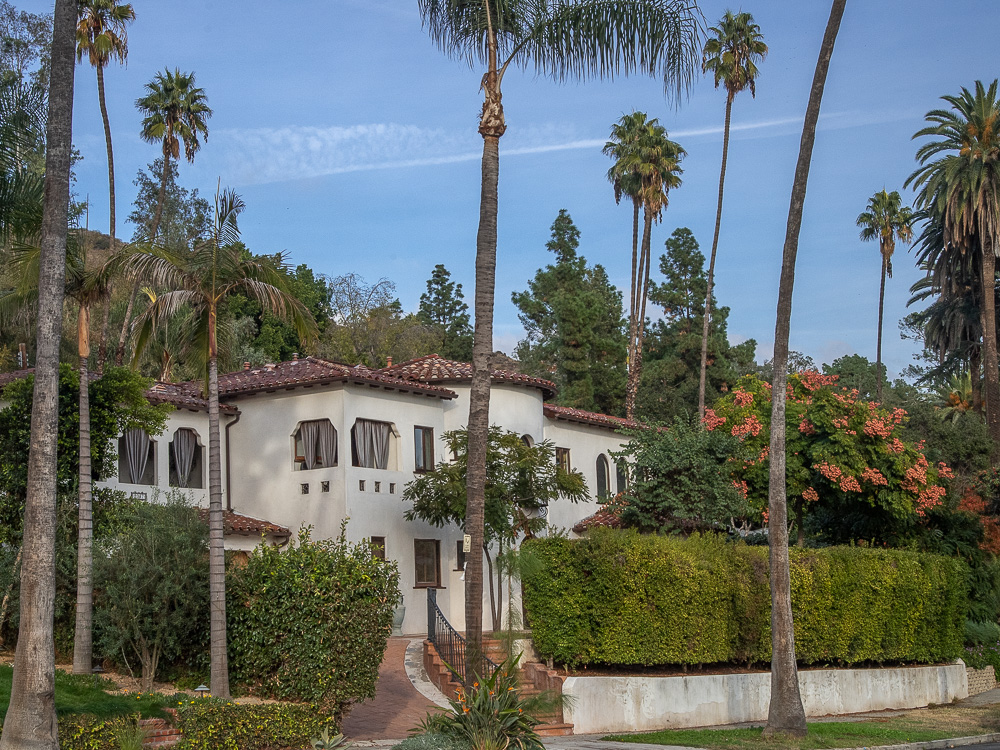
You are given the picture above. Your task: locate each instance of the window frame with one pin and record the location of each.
(461, 557)
(423, 447)
(197, 467)
(377, 546)
(417, 583)
(603, 488)
(563, 459)
(299, 459)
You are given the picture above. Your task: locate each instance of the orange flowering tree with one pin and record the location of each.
(842, 452)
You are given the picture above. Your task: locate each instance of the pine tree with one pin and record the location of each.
(575, 327)
(443, 308)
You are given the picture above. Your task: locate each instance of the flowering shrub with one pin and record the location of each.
(839, 450)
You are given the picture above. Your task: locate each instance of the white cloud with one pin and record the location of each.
(266, 155)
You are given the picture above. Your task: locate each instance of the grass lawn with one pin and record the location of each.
(85, 694)
(916, 726)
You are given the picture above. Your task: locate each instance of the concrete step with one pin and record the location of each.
(554, 730)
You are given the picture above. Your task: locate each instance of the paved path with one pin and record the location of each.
(397, 707)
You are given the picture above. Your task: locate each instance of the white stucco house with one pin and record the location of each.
(313, 442)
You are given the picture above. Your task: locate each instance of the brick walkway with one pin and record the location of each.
(397, 707)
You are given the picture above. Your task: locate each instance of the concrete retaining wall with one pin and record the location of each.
(981, 680)
(634, 703)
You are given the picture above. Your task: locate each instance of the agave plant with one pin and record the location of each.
(326, 742)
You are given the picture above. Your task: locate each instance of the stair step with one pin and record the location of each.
(554, 730)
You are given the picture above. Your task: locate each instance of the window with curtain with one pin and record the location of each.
(427, 562)
(603, 477)
(423, 446)
(186, 460)
(136, 458)
(621, 476)
(315, 445)
(370, 444)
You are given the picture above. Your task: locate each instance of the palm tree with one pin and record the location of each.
(654, 164)
(785, 713)
(958, 183)
(731, 55)
(102, 35)
(562, 39)
(31, 716)
(886, 220)
(200, 280)
(176, 111)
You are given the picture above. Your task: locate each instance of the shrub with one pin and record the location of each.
(311, 622)
(981, 633)
(620, 598)
(88, 732)
(215, 724)
(432, 741)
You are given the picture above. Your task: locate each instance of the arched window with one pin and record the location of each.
(603, 477)
(136, 458)
(370, 443)
(315, 445)
(186, 460)
(621, 476)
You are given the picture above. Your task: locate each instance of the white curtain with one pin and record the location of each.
(327, 443)
(371, 443)
(184, 446)
(309, 432)
(136, 453)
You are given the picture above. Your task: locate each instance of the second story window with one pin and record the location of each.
(315, 445)
(377, 545)
(370, 444)
(186, 460)
(136, 458)
(603, 477)
(562, 459)
(423, 446)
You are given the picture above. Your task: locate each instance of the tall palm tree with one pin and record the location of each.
(199, 281)
(654, 165)
(102, 35)
(731, 54)
(175, 112)
(886, 220)
(958, 182)
(785, 713)
(561, 39)
(30, 723)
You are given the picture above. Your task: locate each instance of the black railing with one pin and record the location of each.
(450, 644)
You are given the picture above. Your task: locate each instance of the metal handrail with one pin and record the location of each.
(450, 644)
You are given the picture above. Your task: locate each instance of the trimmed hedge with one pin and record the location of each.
(214, 724)
(621, 598)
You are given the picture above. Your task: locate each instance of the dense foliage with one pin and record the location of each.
(680, 478)
(621, 598)
(210, 724)
(310, 622)
(841, 453)
(152, 581)
(444, 310)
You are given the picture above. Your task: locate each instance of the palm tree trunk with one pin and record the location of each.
(878, 346)
(706, 323)
(30, 723)
(638, 324)
(989, 354)
(216, 539)
(977, 385)
(785, 712)
(102, 349)
(123, 338)
(83, 660)
(632, 307)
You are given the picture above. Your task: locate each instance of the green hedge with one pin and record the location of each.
(212, 724)
(621, 598)
(310, 623)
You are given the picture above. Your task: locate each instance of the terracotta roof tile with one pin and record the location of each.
(607, 516)
(240, 525)
(315, 371)
(586, 417)
(433, 368)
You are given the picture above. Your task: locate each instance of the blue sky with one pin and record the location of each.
(353, 141)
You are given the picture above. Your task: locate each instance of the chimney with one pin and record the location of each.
(295, 356)
(246, 365)
(389, 363)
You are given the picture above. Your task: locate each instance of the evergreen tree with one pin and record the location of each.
(443, 308)
(186, 215)
(669, 386)
(575, 327)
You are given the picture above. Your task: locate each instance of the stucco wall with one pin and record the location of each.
(619, 704)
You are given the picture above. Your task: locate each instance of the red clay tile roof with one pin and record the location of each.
(240, 525)
(433, 368)
(586, 417)
(315, 371)
(182, 395)
(606, 516)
